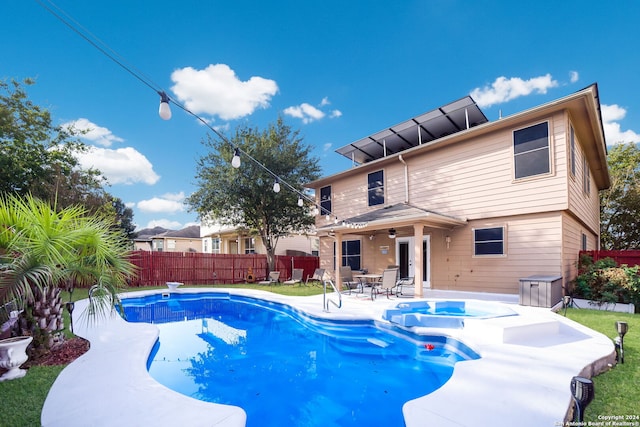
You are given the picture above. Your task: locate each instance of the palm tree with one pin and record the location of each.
(43, 251)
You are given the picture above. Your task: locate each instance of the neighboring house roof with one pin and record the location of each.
(446, 120)
(192, 232)
(396, 215)
(147, 233)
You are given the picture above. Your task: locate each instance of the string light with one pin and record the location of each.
(235, 162)
(164, 109)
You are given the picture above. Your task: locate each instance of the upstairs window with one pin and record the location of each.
(572, 152)
(488, 241)
(375, 188)
(531, 151)
(325, 200)
(586, 177)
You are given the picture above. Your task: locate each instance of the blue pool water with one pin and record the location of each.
(285, 368)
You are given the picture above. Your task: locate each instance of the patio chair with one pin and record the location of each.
(405, 281)
(347, 278)
(274, 277)
(388, 282)
(296, 277)
(318, 275)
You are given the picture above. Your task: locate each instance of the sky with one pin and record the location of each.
(336, 71)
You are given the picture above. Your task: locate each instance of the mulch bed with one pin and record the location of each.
(64, 353)
(61, 354)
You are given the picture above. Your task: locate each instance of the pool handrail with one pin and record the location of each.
(325, 301)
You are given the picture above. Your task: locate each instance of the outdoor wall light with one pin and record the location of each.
(235, 162)
(583, 392)
(70, 306)
(276, 186)
(392, 233)
(622, 328)
(164, 110)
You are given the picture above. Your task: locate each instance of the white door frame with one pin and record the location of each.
(412, 257)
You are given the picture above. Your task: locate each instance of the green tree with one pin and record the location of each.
(620, 204)
(43, 251)
(244, 197)
(39, 158)
(124, 218)
(33, 152)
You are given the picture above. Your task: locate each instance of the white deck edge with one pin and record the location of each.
(523, 382)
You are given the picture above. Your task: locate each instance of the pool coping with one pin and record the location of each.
(522, 378)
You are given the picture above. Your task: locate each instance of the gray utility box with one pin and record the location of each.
(541, 291)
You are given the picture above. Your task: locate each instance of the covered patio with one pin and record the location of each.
(401, 234)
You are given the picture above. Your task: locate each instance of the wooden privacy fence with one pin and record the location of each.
(629, 257)
(190, 268)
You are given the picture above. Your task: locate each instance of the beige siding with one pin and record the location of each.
(572, 231)
(532, 247)
(584, 206)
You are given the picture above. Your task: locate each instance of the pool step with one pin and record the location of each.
(513, 329)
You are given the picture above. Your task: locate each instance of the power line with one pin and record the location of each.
(103, 48)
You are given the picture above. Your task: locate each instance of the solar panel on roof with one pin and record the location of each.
(446, 120)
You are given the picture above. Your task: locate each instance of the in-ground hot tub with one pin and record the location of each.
(443, 314)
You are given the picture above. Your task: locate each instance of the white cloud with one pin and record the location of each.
(164, 223)
(92, 132)
(122, 166)
(308, 113)
(217, 91)
(327, 146)
(611, 114)
(503, 89)
(167, 203)
(176, 197)
(574, 76)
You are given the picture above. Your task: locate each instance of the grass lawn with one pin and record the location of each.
(617, 391)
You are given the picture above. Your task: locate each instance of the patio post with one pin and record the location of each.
(418, 232)
(338, 261)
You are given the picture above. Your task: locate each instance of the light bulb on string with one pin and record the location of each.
(276, 186)
(235, 162)
(300, 202)
(164, 111)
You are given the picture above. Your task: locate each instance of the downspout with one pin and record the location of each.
(406, 179)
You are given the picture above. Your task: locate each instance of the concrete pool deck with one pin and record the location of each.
(522, 377)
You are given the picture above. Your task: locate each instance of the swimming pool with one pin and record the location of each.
(284, 367)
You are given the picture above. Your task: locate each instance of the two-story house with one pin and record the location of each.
(461, 203)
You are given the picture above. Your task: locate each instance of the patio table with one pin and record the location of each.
(367, 279)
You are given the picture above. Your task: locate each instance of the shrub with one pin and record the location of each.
(604, 281)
